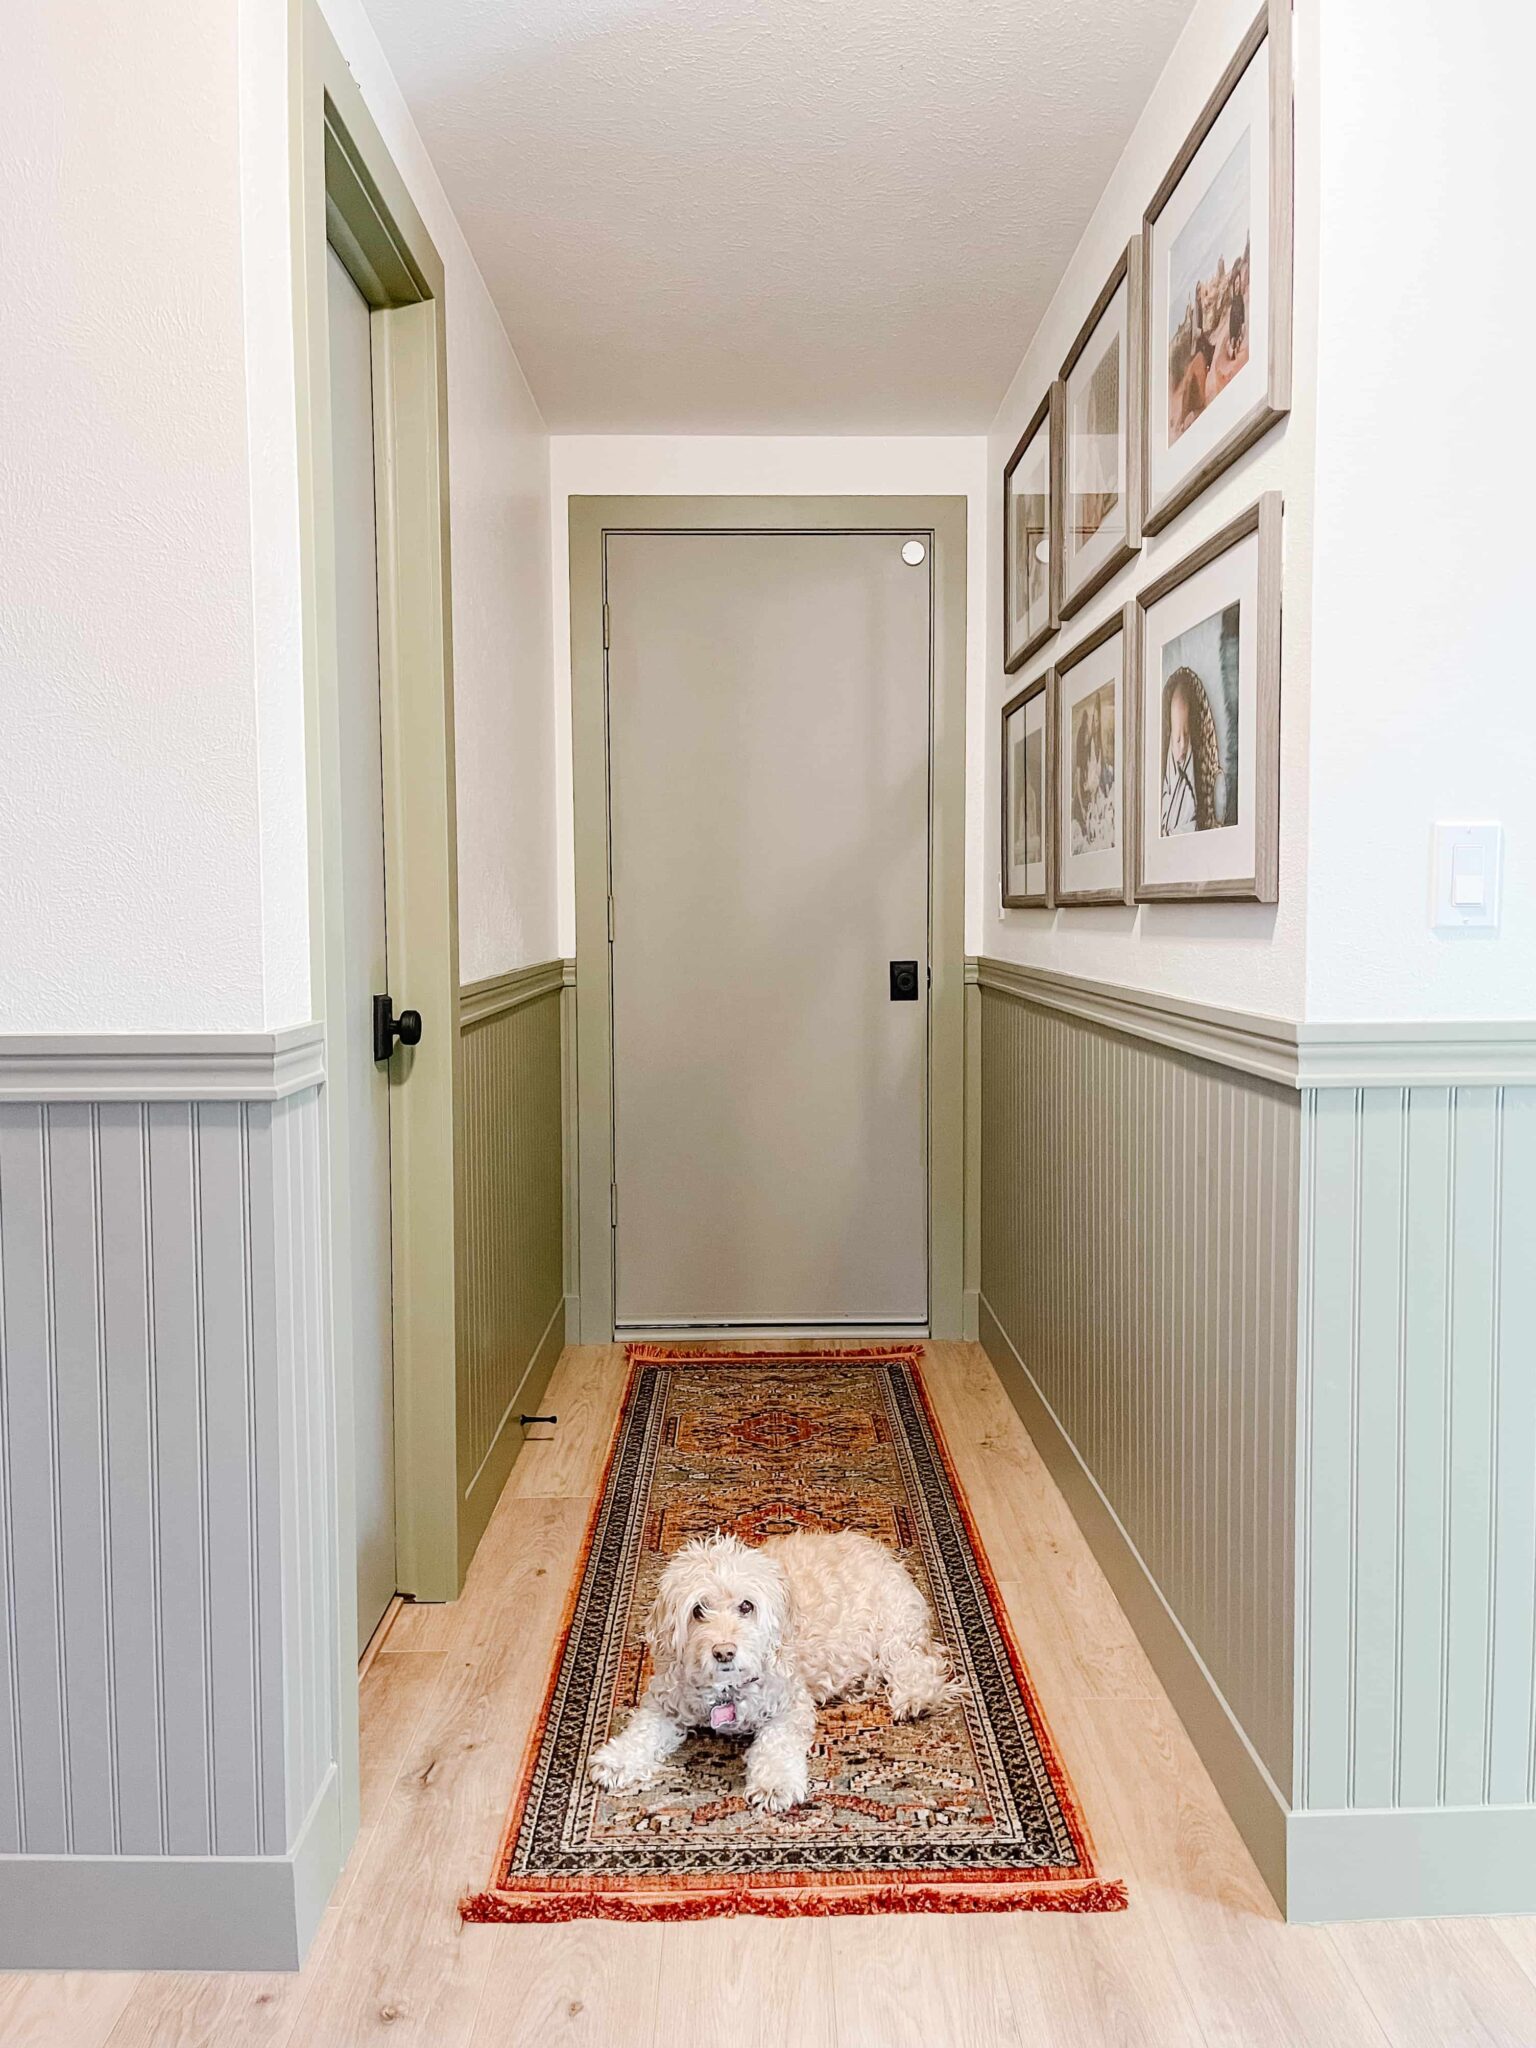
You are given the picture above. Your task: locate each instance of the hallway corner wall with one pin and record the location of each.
(171, 1735)
(1251, 955)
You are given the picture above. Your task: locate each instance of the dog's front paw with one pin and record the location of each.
(615, 1771)
(776, 1792)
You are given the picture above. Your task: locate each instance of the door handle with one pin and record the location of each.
(904, 981)
(387, 1027)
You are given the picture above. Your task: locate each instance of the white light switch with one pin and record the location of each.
(1466, 877)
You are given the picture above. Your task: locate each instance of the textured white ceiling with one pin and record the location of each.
(774, 216)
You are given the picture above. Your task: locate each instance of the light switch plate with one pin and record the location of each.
(1466, 880)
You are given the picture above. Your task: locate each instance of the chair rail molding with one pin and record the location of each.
(1391, 1053)
(152, 1066)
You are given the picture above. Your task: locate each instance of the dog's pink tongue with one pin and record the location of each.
(723, 1714)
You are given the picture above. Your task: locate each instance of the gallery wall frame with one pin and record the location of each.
(1169, 482)
(1035, 704)
(1067, 891)
(1256, 578)
(1129, 276)
(1047, 418)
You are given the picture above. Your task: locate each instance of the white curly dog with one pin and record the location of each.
(753, 1641)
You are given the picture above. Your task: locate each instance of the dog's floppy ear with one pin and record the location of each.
(666, 1626)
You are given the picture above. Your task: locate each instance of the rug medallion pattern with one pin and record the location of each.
(963, 1810)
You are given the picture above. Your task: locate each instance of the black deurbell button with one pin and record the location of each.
(903, 981)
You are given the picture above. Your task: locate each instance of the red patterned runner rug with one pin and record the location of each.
(967, 1810)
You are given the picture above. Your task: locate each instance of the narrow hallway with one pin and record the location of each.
(1201, 1956)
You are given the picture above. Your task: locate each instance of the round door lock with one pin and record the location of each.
(913, 552)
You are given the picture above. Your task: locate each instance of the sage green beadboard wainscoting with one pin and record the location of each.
(1416, 1622)
(511, 1265)
(171, 1733)
(1264, 1292)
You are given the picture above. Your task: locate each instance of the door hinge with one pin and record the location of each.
(613, 1205)
(610, 920)
(605, 625)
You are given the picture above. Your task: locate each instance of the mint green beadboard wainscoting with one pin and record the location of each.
(1265, 1294)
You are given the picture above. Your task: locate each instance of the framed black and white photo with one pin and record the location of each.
(1217, 239)
(1026, 789)
(1207, 670)
(1031, 534)
(1102, 383)
(1093, 722)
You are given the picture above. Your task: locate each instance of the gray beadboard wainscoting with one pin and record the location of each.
(169, 1788)
(1265, 1294)
(511, 1267)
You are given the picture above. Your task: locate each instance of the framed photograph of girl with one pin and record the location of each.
(1032, 534)
(1026, 792)
(1217, 239)
(1101, 411)
(1095, 781)
(1207, 687)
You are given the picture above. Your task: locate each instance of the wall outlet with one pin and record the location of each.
(1467, 865)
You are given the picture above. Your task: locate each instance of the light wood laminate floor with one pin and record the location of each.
(1201, 1956)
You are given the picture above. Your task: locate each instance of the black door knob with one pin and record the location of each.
(387, 1027)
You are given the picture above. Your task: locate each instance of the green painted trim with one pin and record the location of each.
(1411, 1863)
(945, 519)
(329, 125)
(1391, 1053)
(172, 1912)
(972, 1295)
(485, 1487)
(1248, 1792)
(479, 1001)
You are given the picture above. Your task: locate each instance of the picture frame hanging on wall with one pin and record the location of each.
(1025, 777)
(1032, 534)
(1217, 249)
(1206, 668)
(1093, 734)
(1101, 382)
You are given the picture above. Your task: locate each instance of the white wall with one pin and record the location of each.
(130, 889)
(1245, 955)
(600, 465)
(1424, 697)
(153, 841)
(498, 458)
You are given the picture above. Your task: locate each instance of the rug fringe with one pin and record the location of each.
(1098, 1895)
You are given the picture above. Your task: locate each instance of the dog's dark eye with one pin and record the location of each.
(698, 1610)
(745, 1607)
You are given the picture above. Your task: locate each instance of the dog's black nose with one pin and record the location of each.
(724, 1653)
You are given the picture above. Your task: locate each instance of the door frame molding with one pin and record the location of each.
(346, 192)
(943, 520)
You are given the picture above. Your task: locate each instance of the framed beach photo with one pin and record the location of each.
(1031, 534)
(1026, 789)
(1101, 410)
(1093, 719)
(1217, 246)
(1207, 670)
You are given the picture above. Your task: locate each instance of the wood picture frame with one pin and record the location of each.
(1210, 784)
(1254, 396)
(1078, 874)
(1034, 706)
(1104, 555)
(1022, 639)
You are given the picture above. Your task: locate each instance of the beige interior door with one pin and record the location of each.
(366, 955)
(769, 762)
